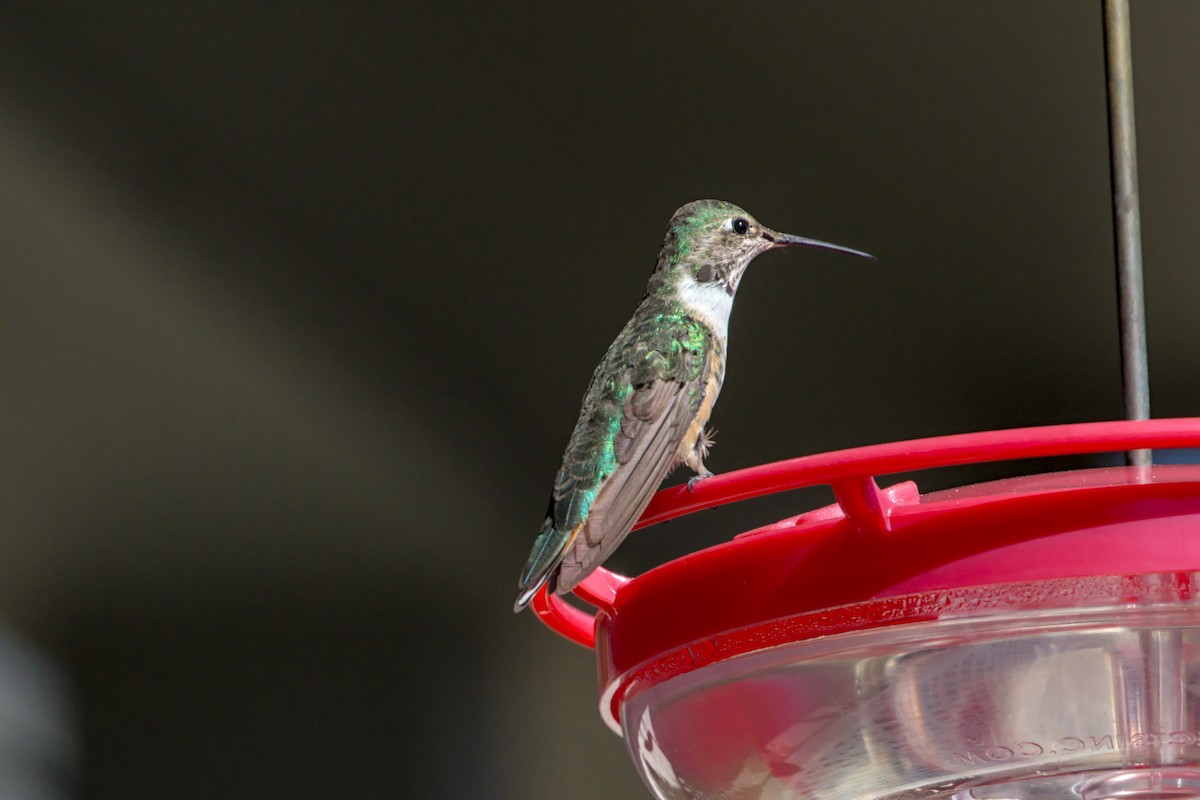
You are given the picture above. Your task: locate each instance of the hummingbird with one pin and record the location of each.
(647, 406)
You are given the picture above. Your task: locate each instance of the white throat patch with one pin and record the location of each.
(707, 302)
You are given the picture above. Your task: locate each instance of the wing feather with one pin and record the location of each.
(599, 494)
(655, 418)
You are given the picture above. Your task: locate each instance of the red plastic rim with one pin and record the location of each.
(877, 543)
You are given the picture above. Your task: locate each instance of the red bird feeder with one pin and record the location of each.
(1035, 637)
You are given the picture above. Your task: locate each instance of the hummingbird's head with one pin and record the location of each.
(710, 243)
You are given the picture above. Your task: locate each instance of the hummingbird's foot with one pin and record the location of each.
(704, 474)
(695, 459)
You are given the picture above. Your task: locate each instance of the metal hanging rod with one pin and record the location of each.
(1127, 220)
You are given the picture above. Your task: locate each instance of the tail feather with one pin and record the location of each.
(548, 550)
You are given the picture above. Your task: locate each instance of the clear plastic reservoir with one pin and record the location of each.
(1082, 689)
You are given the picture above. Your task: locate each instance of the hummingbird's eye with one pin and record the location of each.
(740, 226)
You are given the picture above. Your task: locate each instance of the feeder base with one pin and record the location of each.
(1080, 690)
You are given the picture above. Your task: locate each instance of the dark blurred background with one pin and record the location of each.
(297, 304)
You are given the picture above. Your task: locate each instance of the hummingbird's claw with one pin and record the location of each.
(691, 484)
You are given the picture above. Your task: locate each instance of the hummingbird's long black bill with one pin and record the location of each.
(799, 241)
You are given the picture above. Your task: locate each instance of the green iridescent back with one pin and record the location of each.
(660, 342)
